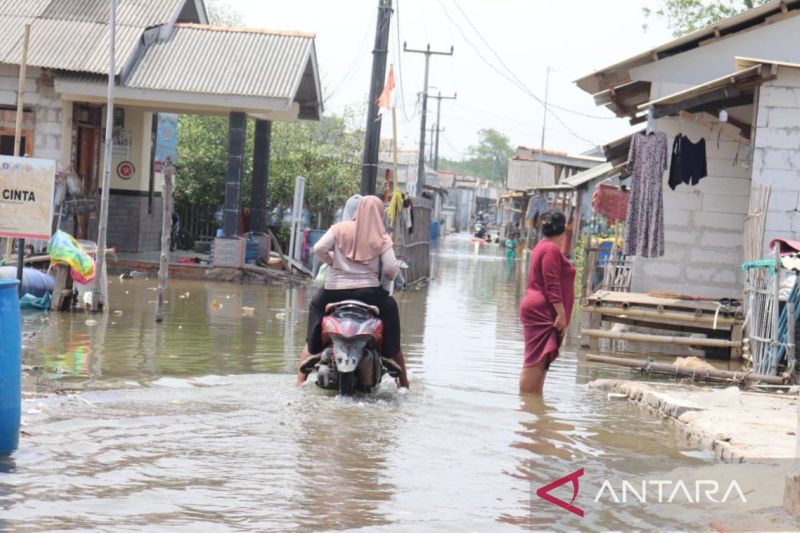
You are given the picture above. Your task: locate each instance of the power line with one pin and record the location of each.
(351, 70)
(511, 72)
(399, 55)
(520, 86)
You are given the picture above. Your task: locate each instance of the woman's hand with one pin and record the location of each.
(561, 322)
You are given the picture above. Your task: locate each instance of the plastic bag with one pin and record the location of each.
(65, 250)
(322, 276)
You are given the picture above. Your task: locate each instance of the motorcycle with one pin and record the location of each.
(351, 361)
(480, 230)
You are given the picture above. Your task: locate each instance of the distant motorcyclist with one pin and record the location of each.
(357, 252)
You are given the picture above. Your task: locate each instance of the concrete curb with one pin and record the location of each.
(759, 426)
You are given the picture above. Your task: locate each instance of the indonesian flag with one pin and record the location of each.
(386, 99)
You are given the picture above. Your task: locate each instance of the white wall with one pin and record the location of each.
(776, 159)
(776, 41)
(702, 223)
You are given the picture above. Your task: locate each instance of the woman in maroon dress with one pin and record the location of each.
(547, 306)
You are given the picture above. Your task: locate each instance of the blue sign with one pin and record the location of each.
(167, 138)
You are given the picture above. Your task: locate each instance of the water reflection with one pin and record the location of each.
(202, 427)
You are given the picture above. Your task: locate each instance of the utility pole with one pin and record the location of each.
(369, 168)
(432, 130)
(439, 99)
(100, 285)
(546, 93)
(422, 127)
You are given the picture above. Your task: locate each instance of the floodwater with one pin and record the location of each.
(196, 424)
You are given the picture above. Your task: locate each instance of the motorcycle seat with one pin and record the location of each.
(330, 308)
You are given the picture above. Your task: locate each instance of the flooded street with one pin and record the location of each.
(196, 424)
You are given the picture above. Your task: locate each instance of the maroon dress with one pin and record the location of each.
(551, 280)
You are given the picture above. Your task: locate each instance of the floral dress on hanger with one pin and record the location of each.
(644, 226)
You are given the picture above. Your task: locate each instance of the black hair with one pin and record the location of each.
(554, 223)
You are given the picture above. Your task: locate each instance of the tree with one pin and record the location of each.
(488, 159)
(326, 153)
(686, 16)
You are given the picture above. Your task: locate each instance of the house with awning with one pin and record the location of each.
(736, 85)
(168, 59)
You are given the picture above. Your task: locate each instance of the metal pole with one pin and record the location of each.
(421, 159)
(546, 94)
(422, 123)
(99, 287)
(372, 141)
(23, 72)
(439, 129)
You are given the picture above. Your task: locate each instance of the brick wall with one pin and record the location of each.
(131, 227)
(776, 160)
(702, 224)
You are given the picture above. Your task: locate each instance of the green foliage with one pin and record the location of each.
(487, 160)
(686, 16)
(326, 153)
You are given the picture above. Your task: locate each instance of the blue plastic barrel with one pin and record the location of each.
(10, 365)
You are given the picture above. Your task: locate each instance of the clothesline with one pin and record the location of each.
(711, 125)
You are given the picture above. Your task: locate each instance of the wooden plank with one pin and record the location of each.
(661, 315)
(675, 370)
(659, 339)
(639, 298)
(666, 326)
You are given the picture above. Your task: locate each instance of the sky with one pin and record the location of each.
(502, 51)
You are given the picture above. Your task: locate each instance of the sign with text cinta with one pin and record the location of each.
(26, 197)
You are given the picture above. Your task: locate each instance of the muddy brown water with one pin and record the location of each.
(196, 424)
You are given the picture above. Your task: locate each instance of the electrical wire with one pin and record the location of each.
(399, 55)
(351, 70)
(514, 82)
(519, 81)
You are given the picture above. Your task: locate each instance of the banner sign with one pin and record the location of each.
(26, 197)
(166, 140)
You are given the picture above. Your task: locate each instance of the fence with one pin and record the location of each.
(197, 220)
(415, 247)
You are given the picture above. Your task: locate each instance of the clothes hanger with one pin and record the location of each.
(651, 122)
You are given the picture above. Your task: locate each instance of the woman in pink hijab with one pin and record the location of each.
(358, 252)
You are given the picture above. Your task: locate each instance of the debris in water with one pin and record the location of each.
(280, 316)
(91, 322)
(617, 396)
(152, 288)
(180, 327)
(118, 312)
(227, 296)
(216, 305)
(248, 311)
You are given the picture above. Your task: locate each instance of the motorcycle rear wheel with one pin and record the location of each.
(347, 383)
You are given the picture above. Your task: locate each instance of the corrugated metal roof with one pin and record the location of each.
(140, 13)
(581, 178)
(526, 174)
(73, 34)
(84, 50)
(23, 8)
(206, 59)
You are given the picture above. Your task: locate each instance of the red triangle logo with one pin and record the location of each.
(544, 492)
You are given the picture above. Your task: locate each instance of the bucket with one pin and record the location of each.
(10, 365)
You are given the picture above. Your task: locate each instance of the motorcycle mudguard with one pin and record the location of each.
(347, 353)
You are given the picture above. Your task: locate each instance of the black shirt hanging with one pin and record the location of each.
(688, 162)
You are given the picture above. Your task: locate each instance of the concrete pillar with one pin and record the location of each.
(237, 131)
(258, 191)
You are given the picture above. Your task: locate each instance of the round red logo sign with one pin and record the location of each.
(125, 170)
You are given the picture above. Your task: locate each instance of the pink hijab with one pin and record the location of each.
(363, 238)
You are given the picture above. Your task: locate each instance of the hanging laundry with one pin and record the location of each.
(537, 204)
(644, 224)
(688, 162)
